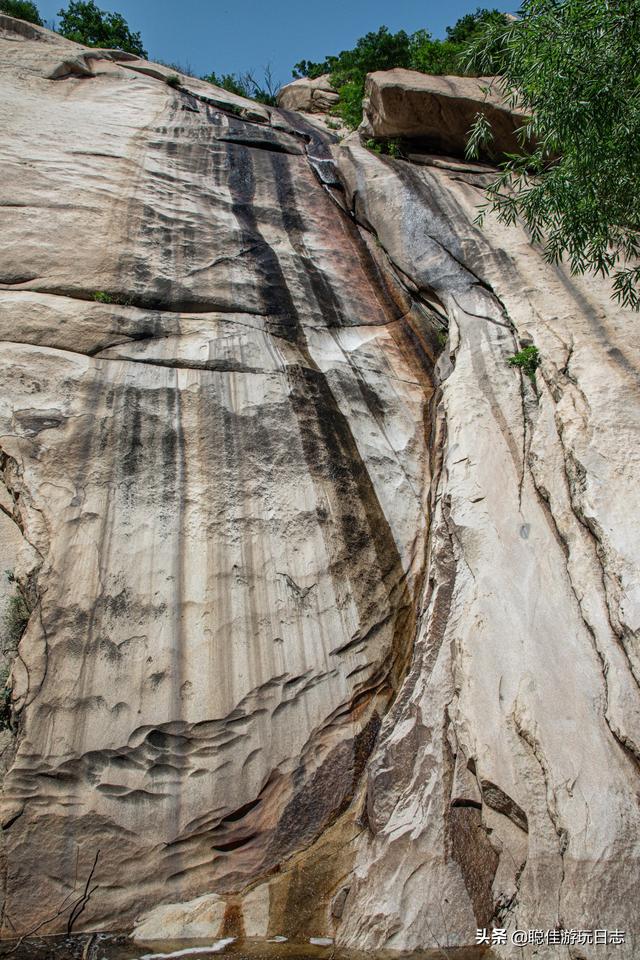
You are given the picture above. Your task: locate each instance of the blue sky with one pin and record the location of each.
(228, 36)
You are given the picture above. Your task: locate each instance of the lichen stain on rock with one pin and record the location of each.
(471, 848)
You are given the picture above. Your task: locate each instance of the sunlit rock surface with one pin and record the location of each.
(333, 625)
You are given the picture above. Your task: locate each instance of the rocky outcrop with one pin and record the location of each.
(308, 95)
(333, 613)
(437, 112)
(214, 409)
(502, 783)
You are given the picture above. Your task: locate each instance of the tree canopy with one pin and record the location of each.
(383, 50)
(85, 23)
(572, 66)
(22, 9)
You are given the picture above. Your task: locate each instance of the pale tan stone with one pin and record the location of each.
(200, 919)
(214, 414)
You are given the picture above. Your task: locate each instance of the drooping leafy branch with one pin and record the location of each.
(572, 67)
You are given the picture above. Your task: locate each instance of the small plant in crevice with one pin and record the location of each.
(392, 147)
(15, 620)
(173, 80)
(441, 337)
(386, 146)
(528, 359)
(118, 299)
(233, 109)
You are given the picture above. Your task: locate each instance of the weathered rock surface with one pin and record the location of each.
(438, 112)
(328, 638)
(504, 781)
(307, 95)
(222, 472)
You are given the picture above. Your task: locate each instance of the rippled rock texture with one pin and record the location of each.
(331, 624)
(214, 430)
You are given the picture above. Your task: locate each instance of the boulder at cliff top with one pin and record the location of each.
(308, 96)
(437, 112)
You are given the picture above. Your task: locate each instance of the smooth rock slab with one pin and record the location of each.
(504, 780)
(212, 413)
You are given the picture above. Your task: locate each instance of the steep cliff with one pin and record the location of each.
(333, 627)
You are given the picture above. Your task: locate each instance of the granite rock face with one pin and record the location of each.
(503, 786)
(333, 629)
(214, 437)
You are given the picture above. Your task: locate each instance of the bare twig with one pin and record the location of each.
(84, 899)
(64, 906)
(43, 923)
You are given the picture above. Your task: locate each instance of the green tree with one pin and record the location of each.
(434, 56)
(448, 56)
(85, 23)
(470, 26)
(22, 9)
(379, 50)
(572, 66)
(308, 68)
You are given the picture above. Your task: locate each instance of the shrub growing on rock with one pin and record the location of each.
(15, 618)
(528, 359)
(247, 85)
(5, 699)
